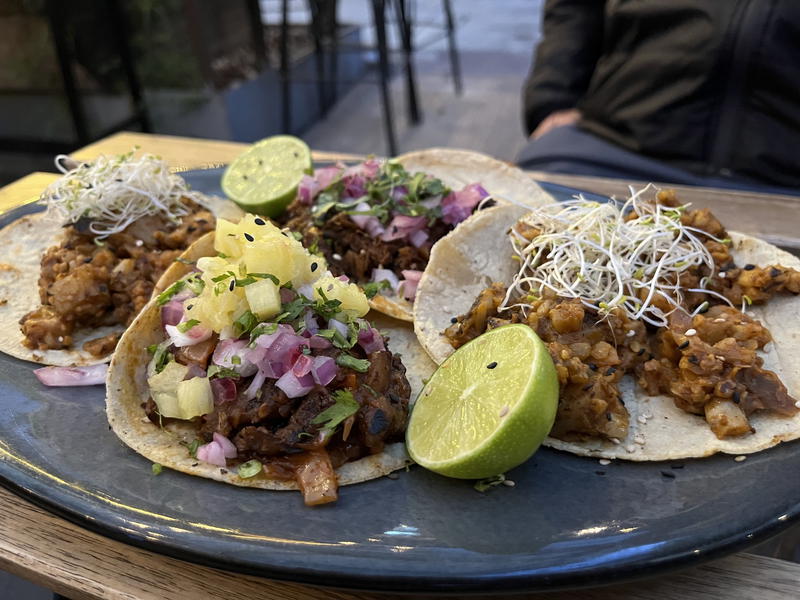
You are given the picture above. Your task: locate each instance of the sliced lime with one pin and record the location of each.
(487, 407)
(264, 179)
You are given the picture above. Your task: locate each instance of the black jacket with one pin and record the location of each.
(712, 86)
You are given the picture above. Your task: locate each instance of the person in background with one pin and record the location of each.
(698, 92)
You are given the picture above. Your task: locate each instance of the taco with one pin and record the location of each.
(377, 221)
(259, 369)
(669, 334)
(73, 276)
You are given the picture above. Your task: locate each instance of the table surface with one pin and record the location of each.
(55, 553)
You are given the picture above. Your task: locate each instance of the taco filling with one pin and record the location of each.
(126, 220)
(376, 223)
(646, 288)
(269, 355)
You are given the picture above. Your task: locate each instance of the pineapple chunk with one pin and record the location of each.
(264, 298)
(195, 397)
(270, 255)
(164, 388)
(352, 298)
(226, 238)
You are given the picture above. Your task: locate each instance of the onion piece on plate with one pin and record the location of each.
(72, 376)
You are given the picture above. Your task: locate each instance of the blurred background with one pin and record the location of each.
(245, 69)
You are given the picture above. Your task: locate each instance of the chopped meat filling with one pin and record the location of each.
(85, 282)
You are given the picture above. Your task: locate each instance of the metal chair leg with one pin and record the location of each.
(379, 14)
(455, 65)
(317, 32)
(405, 26)
(286, 115)
(121, 33)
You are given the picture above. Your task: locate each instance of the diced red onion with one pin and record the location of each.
(323, 370)
(361, 220)
(195, 370)
(172, 312)
(311, 323)
(294, 386)
(308, 189)
(355, 186)
(267, 339)
(327, 175)
(386, 275)
(338, 326)
(72, 376)
(457, 206)
(227, 349)
(370, 340)
(228, 449)
(307, 291)
(318, 343)
(344, 278)
(367, 169)
(410, 283)
(224, 390)
(287, 295)
(401, 226)
(302, 366)
(432, 202)
(195, 335)
(399, 193)
(255, 385)
(184, 294)
(418, 238)
(212, 453)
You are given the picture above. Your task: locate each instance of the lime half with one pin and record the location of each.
(264, 179)
(487, 407)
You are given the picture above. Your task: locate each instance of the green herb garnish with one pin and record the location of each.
(221, 372)
(187, 325)
(346, 406)
(161, 354)
(156, 468)
(485, 485)
(371, 289)
(245, 323)
(193, 446)
(357, 364)
(168, 293)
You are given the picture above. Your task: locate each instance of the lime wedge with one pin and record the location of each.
(487, 407)
(264, 179)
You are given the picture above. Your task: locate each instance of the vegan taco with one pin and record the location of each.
(670, 335)
(377, 221)
(258, 368)
(72, 277)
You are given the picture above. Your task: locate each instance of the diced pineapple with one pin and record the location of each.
(164, 388)
(264, 298)
(270, 255)
(308, 267)
(352, 298)
(226, 238)
(195, 397)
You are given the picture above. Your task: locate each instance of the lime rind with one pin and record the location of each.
(506, 416)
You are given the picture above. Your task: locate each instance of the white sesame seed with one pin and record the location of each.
(718, 357)
(642, 419)
(740, 458)
(508, 483)
(723, 274)
(503, 411)
(630, 448)
(604, 461)
(337, 256)
(631, 333)
(61, 338)
(647, 416)
(797, 404)
(614, 441)
(719, 320)
(690, 332)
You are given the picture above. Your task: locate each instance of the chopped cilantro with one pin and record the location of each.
(156, 468)
(371, 289)
(221, 372)
(195, 284)
(245, 323)
(236, 359)
(168, 293)
(486, 484)
(192, 447)
(161, 355)
(346, 405)
(263, 329)
(249, 469)
(187, 325)
(357, 364)
(223, 277)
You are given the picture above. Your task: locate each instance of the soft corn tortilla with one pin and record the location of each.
(22, 244)
(127, 390)
(469, 259)
(457, 168)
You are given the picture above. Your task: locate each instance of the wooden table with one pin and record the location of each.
(55, 553)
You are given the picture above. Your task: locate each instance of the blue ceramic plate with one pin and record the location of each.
(569, 521)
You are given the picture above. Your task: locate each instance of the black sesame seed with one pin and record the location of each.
(260, 221)
(683, 345)
(189, 307)
(749, 267)
(601, 473)
(773, 272)
(668, 475)
(249, 237)
(640, 352)
(232, 284)
(610, 371)
(314, 267)
(491, 365)
(736, 397)
(454, 320)
(489, 204)
(223, 471)
(195, 464)
(609, 417)
(678, 466)
(593, 366)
